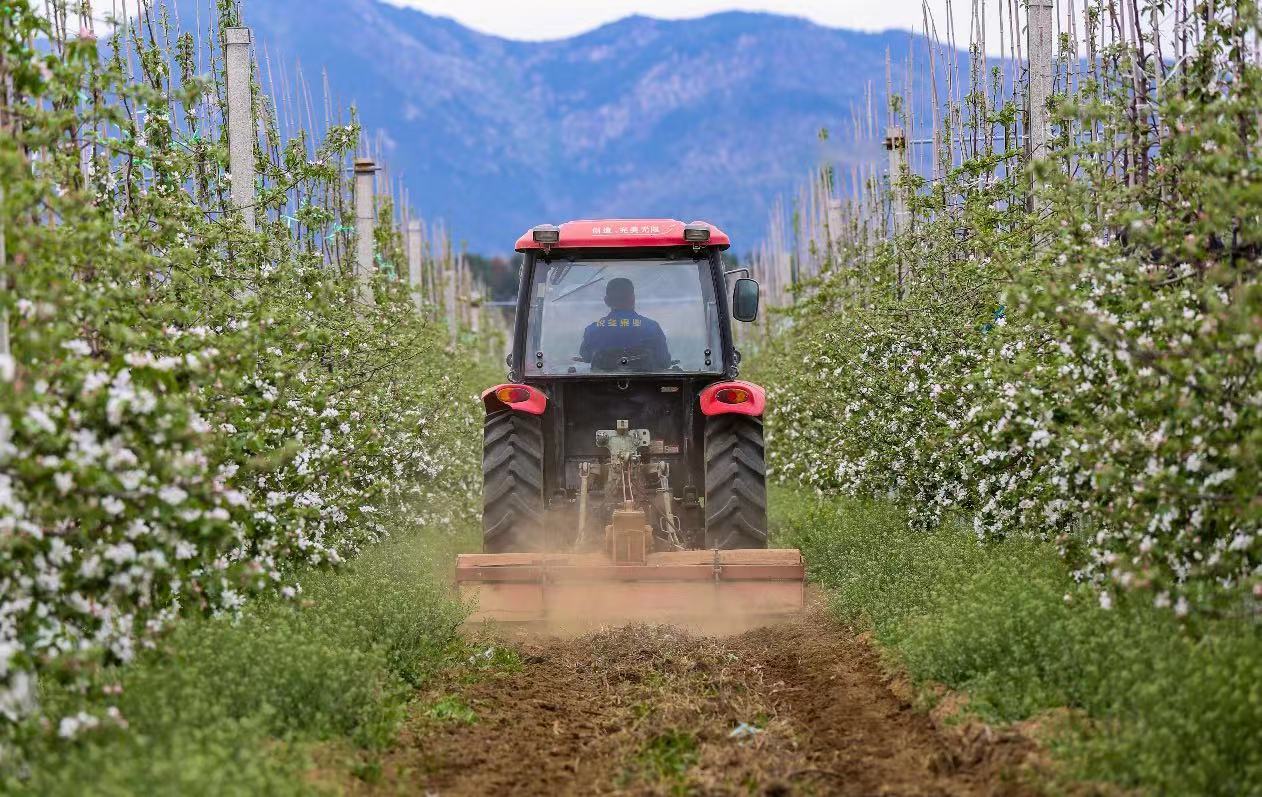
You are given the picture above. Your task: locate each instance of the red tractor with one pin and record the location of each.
(624, 447)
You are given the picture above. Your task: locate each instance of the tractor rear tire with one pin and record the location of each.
(735, 483)
(512, 483)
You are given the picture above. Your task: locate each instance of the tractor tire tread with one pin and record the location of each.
(512, 482)
(735, 483)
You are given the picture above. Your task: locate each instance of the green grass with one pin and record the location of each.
(450, 708)
(225, 707)
(664, 760)
(1166, 707)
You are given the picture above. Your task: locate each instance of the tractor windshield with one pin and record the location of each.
(623, 316)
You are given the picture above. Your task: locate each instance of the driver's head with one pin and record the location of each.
(620, 294)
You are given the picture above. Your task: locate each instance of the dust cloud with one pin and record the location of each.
(572, 608)
(587, 609)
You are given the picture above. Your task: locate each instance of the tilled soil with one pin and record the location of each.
(796, 708)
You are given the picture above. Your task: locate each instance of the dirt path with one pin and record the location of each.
(798, 708)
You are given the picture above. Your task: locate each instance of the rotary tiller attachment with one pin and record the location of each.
(708, 588)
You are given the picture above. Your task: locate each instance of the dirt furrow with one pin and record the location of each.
(795, 708)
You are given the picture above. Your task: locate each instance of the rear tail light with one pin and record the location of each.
(512, 395)
(732, 395)
(733, 398)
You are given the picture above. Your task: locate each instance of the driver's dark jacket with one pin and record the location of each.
(625, 329)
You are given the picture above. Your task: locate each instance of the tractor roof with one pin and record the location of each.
(622, 233)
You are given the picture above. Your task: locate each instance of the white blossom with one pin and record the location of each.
(172, 495)
(77, 346)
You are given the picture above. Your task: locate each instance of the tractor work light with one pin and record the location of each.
(512, 395)
(697, 233)
(547, 234)
(732, 395)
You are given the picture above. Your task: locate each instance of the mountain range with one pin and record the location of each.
(707, 118)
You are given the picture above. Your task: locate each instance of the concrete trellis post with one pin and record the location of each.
(241, 124)
(463, 290)
(835, 237)
(415, 244)
(1039, 33)
(453, 317)
(896, 145)
(365, 228)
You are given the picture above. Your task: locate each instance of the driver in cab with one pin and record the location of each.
(622, 330)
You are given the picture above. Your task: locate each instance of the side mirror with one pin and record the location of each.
(745, 300)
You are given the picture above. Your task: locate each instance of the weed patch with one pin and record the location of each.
(235, 707)
(666, 757)
(450, 708)
(1167, 705)
(486, 658)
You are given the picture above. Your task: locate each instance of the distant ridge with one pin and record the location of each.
(701, 118)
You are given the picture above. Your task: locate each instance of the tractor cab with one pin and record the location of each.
(595, 314)
(592, 289)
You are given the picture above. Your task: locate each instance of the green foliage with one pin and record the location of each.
(225, 759)
(1162, 705)
(1080, 364)
(231, 707)
(194, 411)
